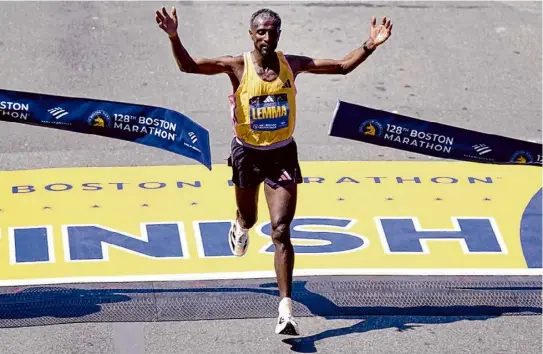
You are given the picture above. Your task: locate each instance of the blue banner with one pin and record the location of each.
(355, 122)
(147, 125)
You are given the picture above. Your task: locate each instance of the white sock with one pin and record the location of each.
(239, 228)
(285, 306)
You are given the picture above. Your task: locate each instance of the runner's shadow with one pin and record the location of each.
(58, 302)
(371, 323)
(378, 318)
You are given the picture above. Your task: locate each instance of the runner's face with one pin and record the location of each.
(265, 35)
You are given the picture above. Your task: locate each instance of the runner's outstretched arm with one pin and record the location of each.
(184, 61)
(378, 35)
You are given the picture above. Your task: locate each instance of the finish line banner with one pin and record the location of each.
(147, 125)
(355, 122)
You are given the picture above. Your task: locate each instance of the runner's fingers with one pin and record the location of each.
(165, 13)
(159, 16)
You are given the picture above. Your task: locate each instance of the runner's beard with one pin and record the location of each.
(267, 50)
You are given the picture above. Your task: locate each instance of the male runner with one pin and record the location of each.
(263, 108)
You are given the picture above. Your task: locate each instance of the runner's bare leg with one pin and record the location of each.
(282, 207)
(247, 206)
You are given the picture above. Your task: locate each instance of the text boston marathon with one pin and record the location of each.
(424, 140)
(14, 110)
(146, 125)
(149, 185)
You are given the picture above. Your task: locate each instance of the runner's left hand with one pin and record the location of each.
(380, 33)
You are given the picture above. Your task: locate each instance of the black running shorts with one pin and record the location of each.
(276, 167)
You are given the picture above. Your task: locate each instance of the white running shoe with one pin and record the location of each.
(238, 239)
(286, 324)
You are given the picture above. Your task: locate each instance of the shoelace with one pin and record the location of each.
(288, 318)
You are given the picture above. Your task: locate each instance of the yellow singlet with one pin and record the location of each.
(264, 113)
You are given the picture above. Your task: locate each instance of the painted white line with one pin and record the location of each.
(271, 274)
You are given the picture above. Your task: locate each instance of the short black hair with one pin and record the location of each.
(267, 13)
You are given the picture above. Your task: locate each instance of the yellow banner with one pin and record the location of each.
(171, 222)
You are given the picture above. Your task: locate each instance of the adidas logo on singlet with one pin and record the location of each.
(287, 84)
(269, 99)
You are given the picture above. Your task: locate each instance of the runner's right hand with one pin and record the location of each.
(167, 23)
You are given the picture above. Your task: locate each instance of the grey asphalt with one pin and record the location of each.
(473, 64)
(385, 335)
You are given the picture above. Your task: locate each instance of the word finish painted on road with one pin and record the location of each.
(487, 222)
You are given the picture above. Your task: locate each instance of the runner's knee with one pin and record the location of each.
(281, 231)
